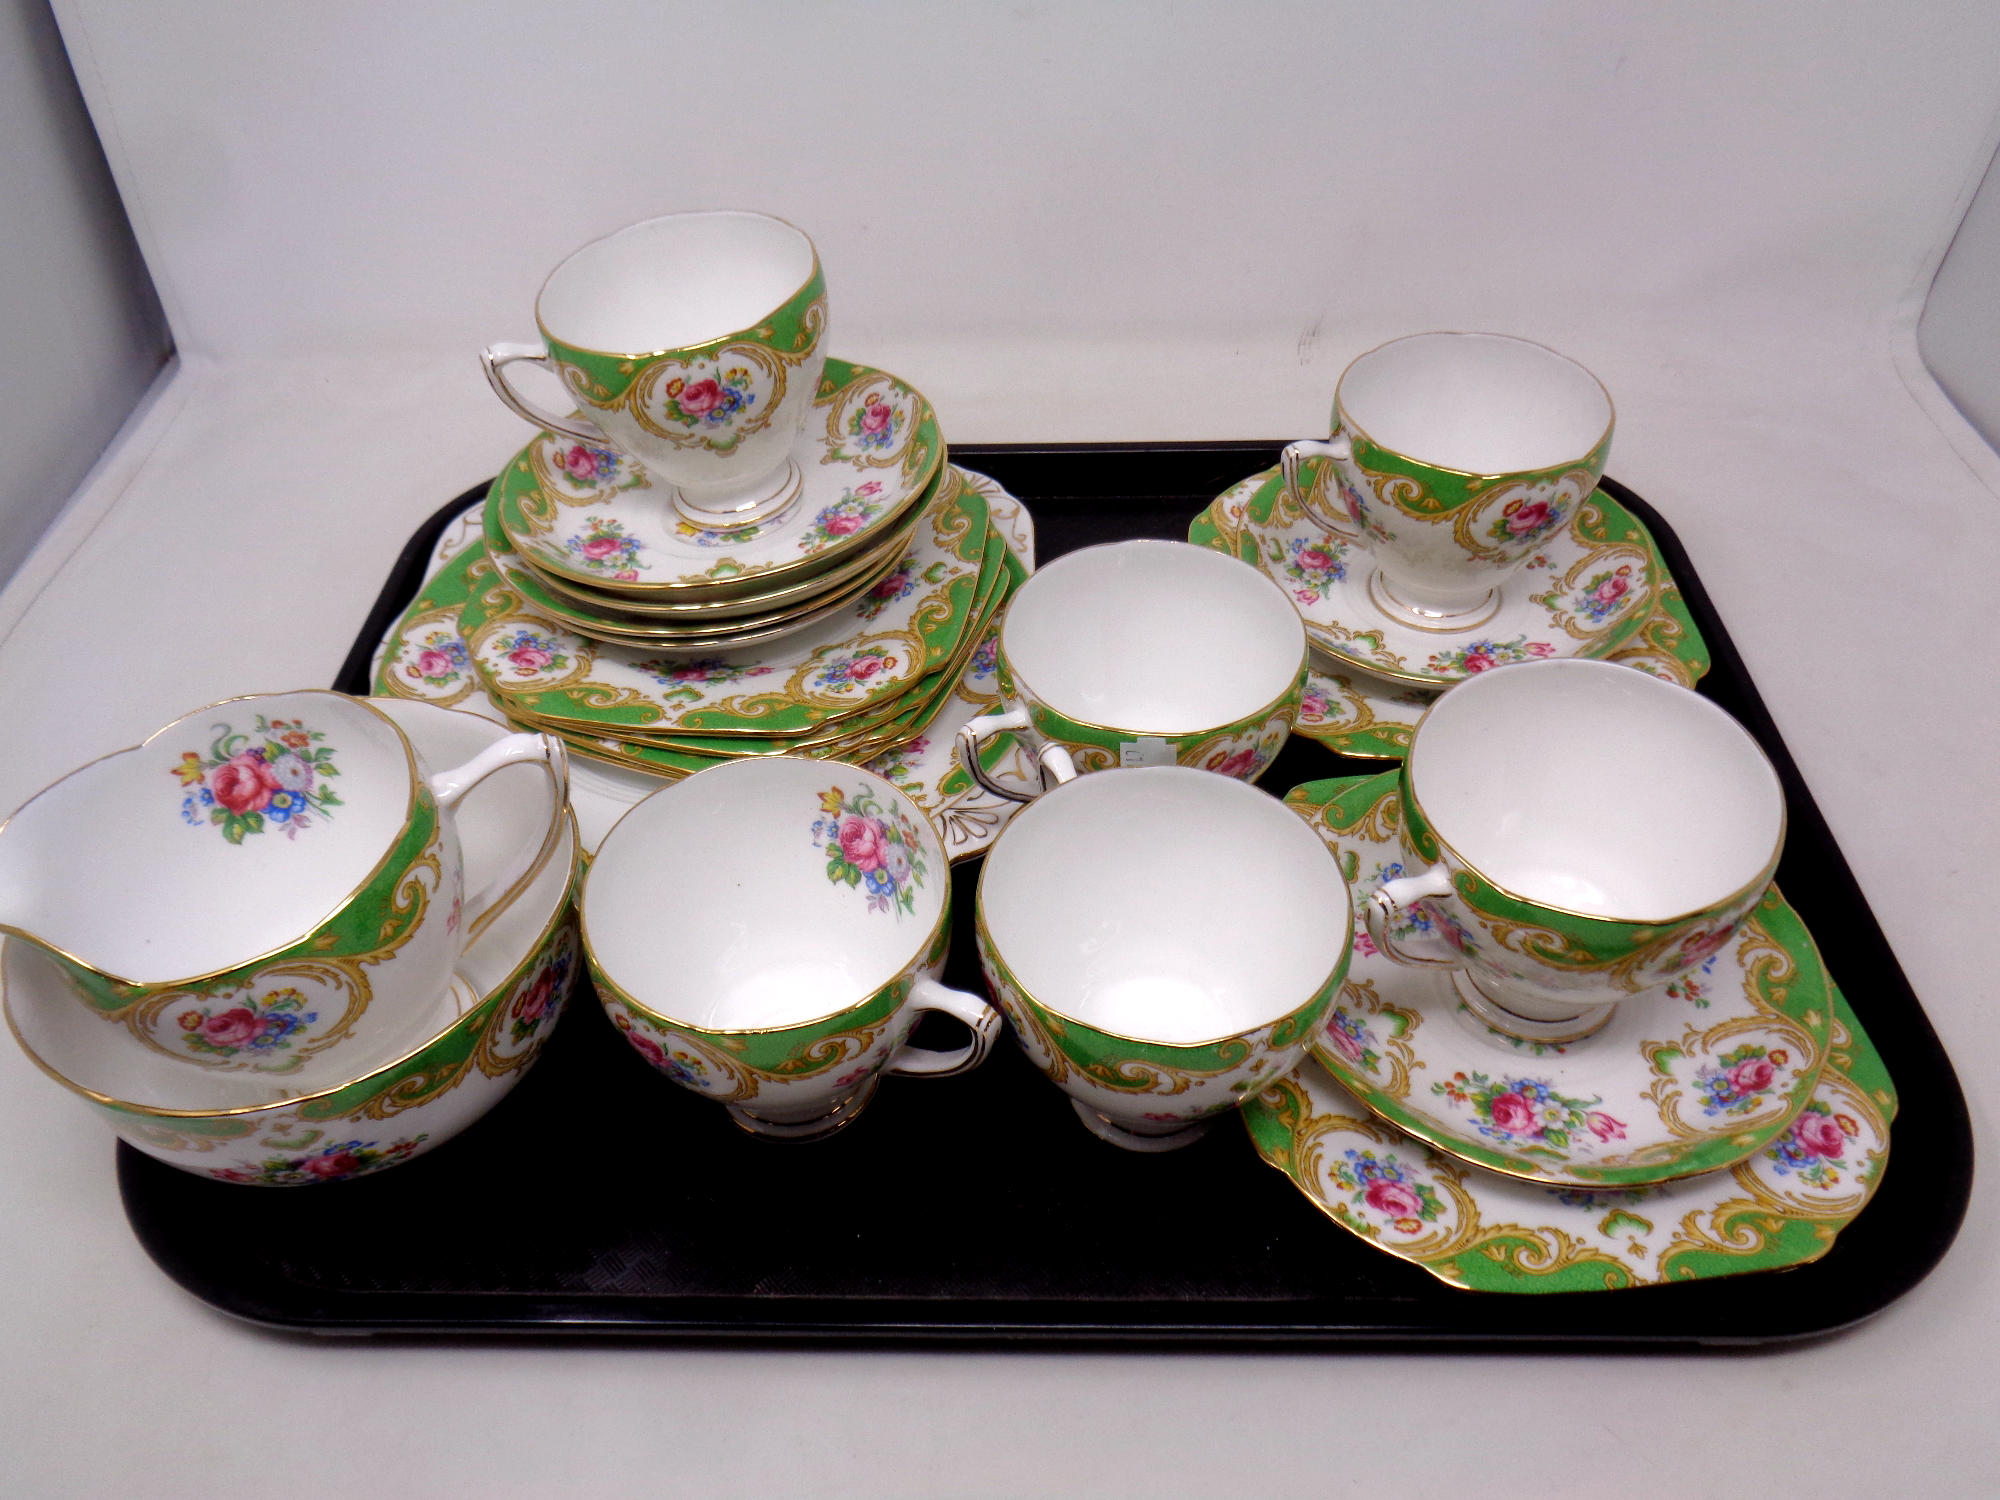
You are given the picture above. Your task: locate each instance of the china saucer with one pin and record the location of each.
(868, 450)
(1692, 1078)
(423, 657)
(1781, 1206)
(1581, 595)
(851, 660)
(1355, 713)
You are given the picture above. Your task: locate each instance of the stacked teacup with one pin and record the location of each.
(736, 545)
(261, 943)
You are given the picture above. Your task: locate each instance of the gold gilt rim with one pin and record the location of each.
(1007, 614)
(1347, 422)
(156, 1112)
(416, 780)
(985, 933)
(1407, 779)
(831, 767)
(721, 338)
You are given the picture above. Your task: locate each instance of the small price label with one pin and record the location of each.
(1150, 751)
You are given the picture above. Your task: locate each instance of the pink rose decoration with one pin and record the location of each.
(647, 1048)
(863, 668)
(1514, 1115)
(600, 546)
(627, 575)
(1530, 517)
(1344, 1044)
(867, 491)
(861, 842)
(1701, 945)
(1540, 648)
(1750, 1076)
(238, 1028)
(530, 658)
(243, 783)
(1478, 661)
(1394, 1200)
(1820, 1134)
(1239, 765)
(537, 999)
(1604, 1127)
(579, 463)
(843, 525)
(1353, 499)
(338, 1164)
(700, 398)
(433, 663)
(1611, 590)
(1315, 559)
(875, 417)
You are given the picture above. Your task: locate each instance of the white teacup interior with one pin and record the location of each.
(1165, 904)
(718, 902)
(1154, 637)
(673, 282)
(1596, 788)
(1480, 403)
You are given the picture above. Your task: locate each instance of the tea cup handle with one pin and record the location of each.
(1340, 449)
(972, 733)
(544, 750)
(1390, 899)
(496, 357)
(924, 1062)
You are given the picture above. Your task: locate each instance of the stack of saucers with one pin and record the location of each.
(837, 629)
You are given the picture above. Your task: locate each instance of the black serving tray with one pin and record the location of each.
(598, 1198)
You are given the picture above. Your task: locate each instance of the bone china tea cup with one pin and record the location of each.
(1164, 942)
(1582, 833)
(1455, 455)
(265, 883)
(1147, 653)
(767, 932)
(694, 343)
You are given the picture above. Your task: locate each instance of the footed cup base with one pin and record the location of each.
(1171, 1139)
(1458, 616)
(765, 502)
(1510, 1022)
(819, 1126)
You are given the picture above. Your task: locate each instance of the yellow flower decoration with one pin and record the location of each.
(829, 802)
(189, 770)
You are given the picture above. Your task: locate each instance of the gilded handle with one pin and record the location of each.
(496, 357)
(1338, 448)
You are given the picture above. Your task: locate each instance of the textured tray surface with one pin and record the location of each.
(598, 1198)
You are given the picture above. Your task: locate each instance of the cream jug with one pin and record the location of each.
(262, 880)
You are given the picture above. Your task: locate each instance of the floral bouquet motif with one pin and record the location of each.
(328, 1164)
(274, 777)
(253, 1024)
(603, 547)
(875, 426)
(853, 510)
(1527, 1113)
(873, 847)
(709, 402)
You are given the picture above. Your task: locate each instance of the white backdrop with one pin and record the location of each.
(1082, 221)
